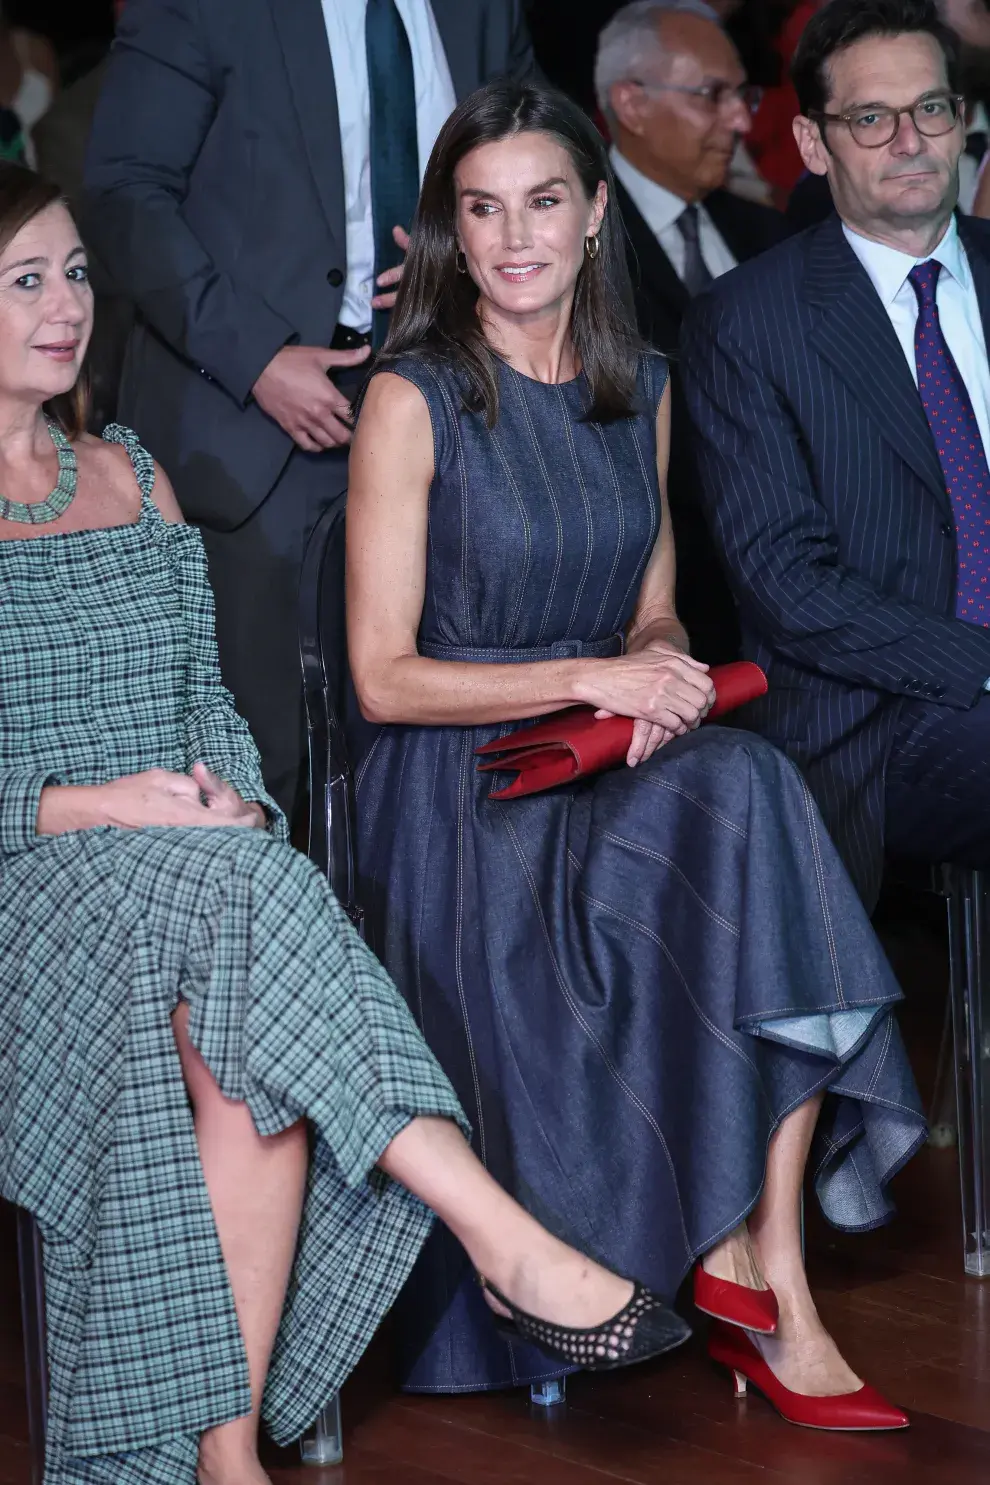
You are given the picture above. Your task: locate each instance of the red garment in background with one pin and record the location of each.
(771, 143)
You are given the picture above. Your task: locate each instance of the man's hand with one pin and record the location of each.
(391, 278)
(295, 390)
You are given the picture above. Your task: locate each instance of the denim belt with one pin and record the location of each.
(562, 649)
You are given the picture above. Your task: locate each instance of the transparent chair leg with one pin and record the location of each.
(30, 1263)
(942, 1132)
(324, 1444)
(548, 1394)
(969, 969)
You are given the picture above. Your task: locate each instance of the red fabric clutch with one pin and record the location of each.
(574, 743)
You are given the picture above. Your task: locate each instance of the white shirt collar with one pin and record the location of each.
(660, 208)
(888, 267)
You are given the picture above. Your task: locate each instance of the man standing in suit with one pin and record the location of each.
(841, 391)
(673, 91)
(253, 168)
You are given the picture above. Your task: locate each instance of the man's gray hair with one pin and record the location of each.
(631, 33)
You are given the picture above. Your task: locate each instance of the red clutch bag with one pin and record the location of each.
(574, 743)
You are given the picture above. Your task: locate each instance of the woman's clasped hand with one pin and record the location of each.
(156, 797)
(664, 690)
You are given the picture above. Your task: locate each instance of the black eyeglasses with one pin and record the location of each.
(717, 94)
(875, 125)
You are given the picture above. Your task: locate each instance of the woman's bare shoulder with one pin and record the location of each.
(110, 464)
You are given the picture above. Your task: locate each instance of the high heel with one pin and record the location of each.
(752, 1309)
(643, 1328)
(865, 1409)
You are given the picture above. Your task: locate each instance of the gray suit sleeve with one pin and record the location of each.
(155, 111)
(780, 544)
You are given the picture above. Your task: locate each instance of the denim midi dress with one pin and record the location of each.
(108, 667)
(630, 981)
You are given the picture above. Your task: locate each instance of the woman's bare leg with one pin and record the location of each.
(802, 1353)
(256, 1187)
(506, 1245)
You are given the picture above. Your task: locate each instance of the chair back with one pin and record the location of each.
(323, 652)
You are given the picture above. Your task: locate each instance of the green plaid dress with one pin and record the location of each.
(108, 667)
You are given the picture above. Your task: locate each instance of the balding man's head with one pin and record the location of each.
(671, 86)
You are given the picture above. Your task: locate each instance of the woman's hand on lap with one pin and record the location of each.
(156, 798)
(223, 800)
(657, 685)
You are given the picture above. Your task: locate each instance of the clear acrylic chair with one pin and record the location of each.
(332, 811)
(32, 1281)
(965, 892)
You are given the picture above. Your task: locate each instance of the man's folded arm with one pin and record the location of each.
(158, 101)
(782, 549)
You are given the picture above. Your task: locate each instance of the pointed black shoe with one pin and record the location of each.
(645, 1327)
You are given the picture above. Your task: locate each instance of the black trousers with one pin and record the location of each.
(938, 785)
(254, 572)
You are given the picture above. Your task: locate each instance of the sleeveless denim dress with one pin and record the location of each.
(631, 980)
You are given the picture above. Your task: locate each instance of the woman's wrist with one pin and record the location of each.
(65, 807)
(585, 681)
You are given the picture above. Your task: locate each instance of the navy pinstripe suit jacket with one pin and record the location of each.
(825, 495)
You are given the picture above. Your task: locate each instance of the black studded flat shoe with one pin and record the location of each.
(645, 1327)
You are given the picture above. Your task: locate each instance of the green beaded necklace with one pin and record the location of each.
(39, 512)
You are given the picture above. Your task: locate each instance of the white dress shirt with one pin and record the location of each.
(958, 310)
(435, 100)
(660, 209)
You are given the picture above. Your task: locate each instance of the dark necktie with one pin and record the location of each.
(960, 448)
(394, 148)
(696, 276)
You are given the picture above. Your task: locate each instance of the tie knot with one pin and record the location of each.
(924, 281)
(687, 224)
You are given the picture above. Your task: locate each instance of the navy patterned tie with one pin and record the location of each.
(960, 448)
(394, 148)
(697, 276)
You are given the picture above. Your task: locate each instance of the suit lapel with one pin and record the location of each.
(720, 206)
(854, 335)
(653, 272)
(303, 37)
(457, 23)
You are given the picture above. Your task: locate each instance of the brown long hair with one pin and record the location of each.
(437, 307)
(23, 195)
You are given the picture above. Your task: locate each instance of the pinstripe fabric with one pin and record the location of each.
(109, 667)
(826, 497)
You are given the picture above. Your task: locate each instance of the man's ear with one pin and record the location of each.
(811, 144)
(628, 105)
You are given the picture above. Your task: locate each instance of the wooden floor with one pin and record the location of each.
(895, 1299)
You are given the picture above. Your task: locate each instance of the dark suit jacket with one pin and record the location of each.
(215, 197)
(704, 601)
(823, 484)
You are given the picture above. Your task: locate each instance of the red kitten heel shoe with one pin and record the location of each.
(851, 1412)
(751, 1309)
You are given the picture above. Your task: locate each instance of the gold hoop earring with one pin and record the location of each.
(460, 262)
(592, 247)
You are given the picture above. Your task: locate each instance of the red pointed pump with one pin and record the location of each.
(752, 1309)
(860, 1411)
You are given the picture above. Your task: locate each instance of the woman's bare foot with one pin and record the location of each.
(801, 1353)
(734, 1259)
(558, 1284)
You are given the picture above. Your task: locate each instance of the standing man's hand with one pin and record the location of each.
(295, 389)
(391, 278)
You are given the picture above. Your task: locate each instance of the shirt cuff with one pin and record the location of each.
(20, 797)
